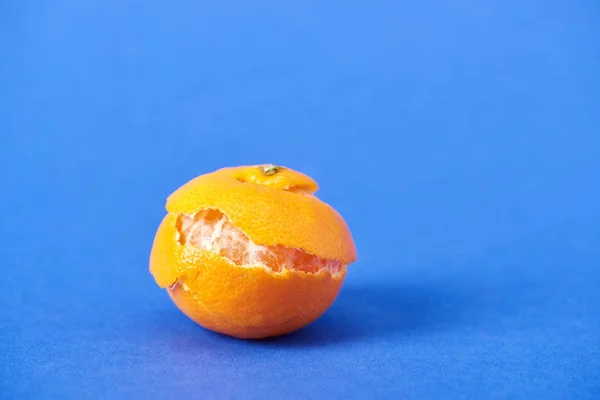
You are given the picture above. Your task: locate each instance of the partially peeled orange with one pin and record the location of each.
(251, 252)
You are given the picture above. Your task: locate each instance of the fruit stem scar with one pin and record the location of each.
(269, 169)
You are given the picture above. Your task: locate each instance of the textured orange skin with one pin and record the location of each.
(252, 302)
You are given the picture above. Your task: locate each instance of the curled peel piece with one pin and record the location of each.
(271, 209)
(277, 177)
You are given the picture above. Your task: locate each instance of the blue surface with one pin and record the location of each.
(460, 140)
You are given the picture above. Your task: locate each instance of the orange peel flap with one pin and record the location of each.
(277, 210)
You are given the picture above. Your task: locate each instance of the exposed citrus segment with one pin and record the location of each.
(251, 252)
(211, 230)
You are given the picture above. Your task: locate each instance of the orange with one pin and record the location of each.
(251, 252)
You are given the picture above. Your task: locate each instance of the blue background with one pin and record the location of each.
(459, 139)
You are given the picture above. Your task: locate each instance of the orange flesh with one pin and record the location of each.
(211, 230)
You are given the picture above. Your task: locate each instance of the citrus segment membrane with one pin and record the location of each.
(212, 230)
